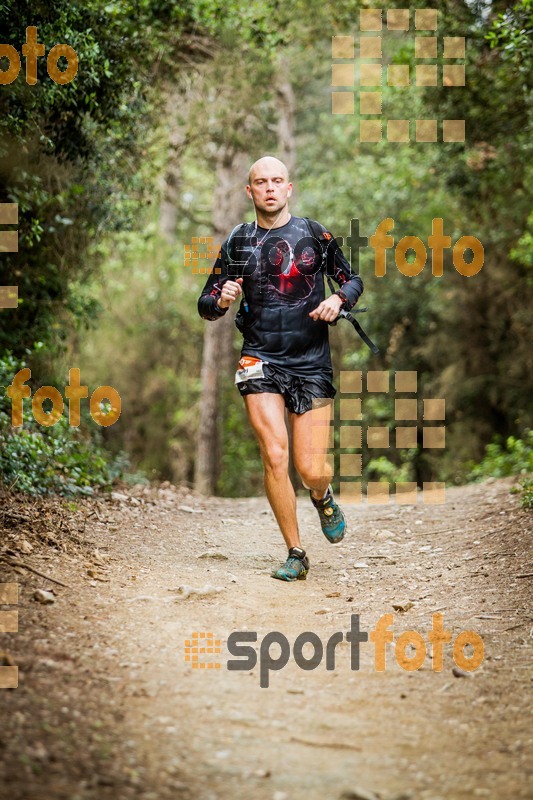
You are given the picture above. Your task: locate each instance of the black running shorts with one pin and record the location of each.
(297, 392)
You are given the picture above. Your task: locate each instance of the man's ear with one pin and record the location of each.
(289, 191)
(249, 193)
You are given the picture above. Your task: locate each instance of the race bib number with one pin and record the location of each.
(249, 367)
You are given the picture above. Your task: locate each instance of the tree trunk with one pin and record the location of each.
(217, 358)
(171, 181)
(287, 151)
(229, 207)
(170, 200)
(286, 107)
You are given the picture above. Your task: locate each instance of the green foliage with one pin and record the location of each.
(149, 302)
(525, 490)
(512, 457)
(523, 252)
(383, 469)
(453, 331)
(241, 470)
(76, 157)
(59, 459)
(511, 33)
(83, 162)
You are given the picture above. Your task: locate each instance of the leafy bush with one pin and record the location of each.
(382, 469)
(525, 490)
(61, 459)
(514, 457)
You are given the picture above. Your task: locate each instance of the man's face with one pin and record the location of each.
(269, 188)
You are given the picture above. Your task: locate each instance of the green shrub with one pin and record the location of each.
(525, 490)
(514, 457)
(61, 459)
(382, 469)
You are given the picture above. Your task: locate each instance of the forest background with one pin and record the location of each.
(149, 147)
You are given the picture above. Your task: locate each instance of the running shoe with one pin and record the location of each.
(332, 519)
(295, 568)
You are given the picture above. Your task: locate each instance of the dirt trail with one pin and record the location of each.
(107, 706)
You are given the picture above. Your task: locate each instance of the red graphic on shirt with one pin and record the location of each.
(292, 279)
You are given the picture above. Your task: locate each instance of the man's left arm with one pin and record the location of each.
(350, 284)
(338, 267)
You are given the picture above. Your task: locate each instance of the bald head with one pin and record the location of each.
(269, 189)
(268, 167)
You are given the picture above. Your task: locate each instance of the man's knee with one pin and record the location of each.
(312, 471)
(276, 458)
(308, 476)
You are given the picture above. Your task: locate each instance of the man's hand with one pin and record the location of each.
(328, 310)
(230, 292)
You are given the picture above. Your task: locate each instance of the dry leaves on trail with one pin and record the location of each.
(28, 522)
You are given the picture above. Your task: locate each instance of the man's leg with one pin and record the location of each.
(266, 412)
(310, 433)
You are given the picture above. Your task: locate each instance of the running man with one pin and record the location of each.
(276, 266)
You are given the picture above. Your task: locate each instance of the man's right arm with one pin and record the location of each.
(208, 302)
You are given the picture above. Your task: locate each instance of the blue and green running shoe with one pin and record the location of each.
(295, 568)
(331, 517)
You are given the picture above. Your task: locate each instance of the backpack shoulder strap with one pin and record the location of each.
(323, 240)
(318, 234)
(231, 238)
